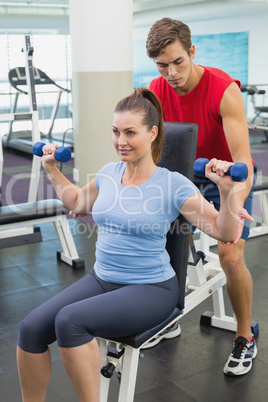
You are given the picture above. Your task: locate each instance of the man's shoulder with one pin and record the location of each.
(219, 75)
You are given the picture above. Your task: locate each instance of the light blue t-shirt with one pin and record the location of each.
(133, 223)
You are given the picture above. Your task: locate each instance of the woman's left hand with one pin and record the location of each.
(216, 171)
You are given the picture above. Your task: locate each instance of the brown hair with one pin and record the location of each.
(166, 31)
(145, 101)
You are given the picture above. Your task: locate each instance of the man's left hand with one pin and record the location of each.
(242, 216)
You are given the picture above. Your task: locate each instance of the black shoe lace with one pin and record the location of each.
(239, 346)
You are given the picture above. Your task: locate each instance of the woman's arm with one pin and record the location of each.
(221, 225)
(79, 201)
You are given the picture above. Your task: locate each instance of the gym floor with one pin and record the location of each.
(186, 369)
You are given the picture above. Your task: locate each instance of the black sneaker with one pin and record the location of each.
(240, 360)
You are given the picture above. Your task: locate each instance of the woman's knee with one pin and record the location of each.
(62, 321)
(32, 336)
(70, 329)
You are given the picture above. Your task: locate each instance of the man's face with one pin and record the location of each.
(175, 65)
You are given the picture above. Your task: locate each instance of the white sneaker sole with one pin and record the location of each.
(160, 337)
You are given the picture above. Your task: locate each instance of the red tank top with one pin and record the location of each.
(201, 106)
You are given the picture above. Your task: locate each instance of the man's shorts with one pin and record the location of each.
(211, 193)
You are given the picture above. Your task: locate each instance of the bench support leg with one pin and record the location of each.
(127, 365)
(105, 382)
(129, 374)
(69, 253)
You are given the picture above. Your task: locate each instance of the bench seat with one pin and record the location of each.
(30, 211)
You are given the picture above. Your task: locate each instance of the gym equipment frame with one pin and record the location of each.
(17, 221)
(20, 217)
(32, 114)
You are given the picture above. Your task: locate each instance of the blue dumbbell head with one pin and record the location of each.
(62, 154)
(38, 148)
(200, 166)
(238, 172)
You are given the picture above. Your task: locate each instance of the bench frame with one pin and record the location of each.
(45, 211)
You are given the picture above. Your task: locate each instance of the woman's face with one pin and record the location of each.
(131, 138)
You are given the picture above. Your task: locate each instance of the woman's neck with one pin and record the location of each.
(137, 174)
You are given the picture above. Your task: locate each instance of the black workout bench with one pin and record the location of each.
(16, 227)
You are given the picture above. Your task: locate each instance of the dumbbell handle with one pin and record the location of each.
(238, 171)
(62, 154)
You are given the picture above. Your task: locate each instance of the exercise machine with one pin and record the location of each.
(18, 222)
(31, 115)
(252, 91)
(258, 127)
(24, 140)
(262, 122)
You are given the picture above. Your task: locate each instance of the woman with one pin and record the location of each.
(132, 286)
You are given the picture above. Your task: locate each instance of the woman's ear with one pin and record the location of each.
(154, 133)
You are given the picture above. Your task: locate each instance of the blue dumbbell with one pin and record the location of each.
(62, 154)
(238, 172)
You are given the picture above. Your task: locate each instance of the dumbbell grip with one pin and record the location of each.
(238, 171)
(62, 154)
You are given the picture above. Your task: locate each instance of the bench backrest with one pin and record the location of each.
(179, 154)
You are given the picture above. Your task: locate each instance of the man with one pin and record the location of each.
(209, 97)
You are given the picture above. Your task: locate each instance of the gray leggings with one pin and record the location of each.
(92, 307)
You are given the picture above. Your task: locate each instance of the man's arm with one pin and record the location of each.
(232, 111)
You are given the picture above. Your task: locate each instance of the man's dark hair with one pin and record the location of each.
(166, 31)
